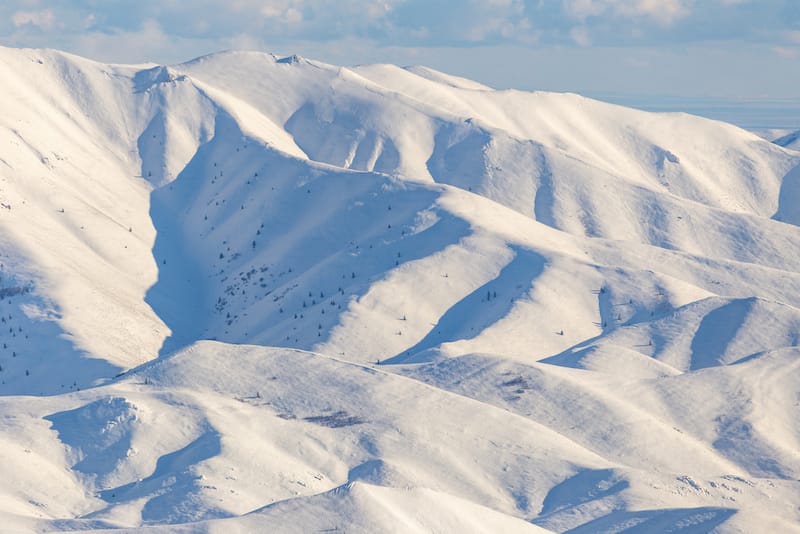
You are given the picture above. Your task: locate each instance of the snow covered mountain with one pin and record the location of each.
(261, 293)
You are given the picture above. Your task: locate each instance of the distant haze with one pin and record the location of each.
(749, 113)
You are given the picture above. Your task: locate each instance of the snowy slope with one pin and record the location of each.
(790, 140)
(386, 299)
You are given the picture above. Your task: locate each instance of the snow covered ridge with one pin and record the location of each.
(270, 294)
(791, 140)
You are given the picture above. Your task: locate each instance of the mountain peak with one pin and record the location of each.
(146, 79)
(294, 59)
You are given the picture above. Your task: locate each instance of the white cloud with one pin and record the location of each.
(44, 19)
(583, 9)
(289, 15)
(580, 34)
(293, 16)
(418, 24)
(663, 12)
(378, 10)
(286, 12)
(480, 21)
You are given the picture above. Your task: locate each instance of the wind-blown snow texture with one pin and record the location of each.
(250, 294)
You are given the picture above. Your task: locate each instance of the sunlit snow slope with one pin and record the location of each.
(249, 293)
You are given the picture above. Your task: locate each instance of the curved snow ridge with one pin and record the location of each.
(714, 331)
(252, 122)
(566, 401)
(370, 508)
(443, 78)
(791, 141)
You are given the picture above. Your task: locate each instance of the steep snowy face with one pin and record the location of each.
(621, 286)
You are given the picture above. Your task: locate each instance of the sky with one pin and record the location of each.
(721, 54)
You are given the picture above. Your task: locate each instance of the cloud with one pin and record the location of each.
(787, 52)
(580, 34)
(291, 15)
(44, 19)
(463, 23)
(417, 24)
(792, 36)
(664, 12)
(583, 9)
(414, 23)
